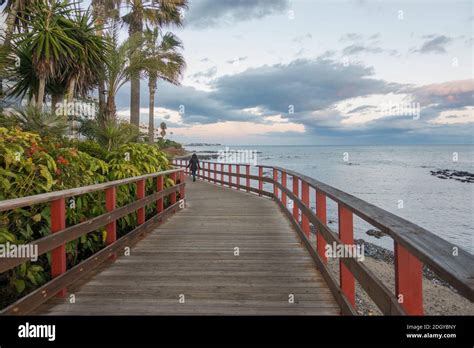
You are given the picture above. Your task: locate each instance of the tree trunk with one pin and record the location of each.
(101, 91)
(10, 22)
(41, 90)
(71, 90)
(151, 119)
(136, 28)
(135, 100)
(100, 18)
(110, 108)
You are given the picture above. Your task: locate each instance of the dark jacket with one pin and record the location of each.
(194, 164)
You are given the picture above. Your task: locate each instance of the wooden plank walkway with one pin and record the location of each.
(192, 257)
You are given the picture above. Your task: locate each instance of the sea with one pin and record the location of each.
(395, 178)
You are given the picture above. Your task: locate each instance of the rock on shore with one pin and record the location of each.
(461, 176)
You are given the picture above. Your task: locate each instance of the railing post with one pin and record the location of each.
(222, 174)
(296, 213)
(173, 195)
(408, 280)
(305, 199)
(215, 174)
(58, 255)
(275, 180)
(159, 188)
(321, 214)
(247, 177)
(182, 188)
(283, 193)
(260, 182)
(111, 227)
(209, 171)
(183, 166)
(140, 195)
(230, 177)
(238, 177)
(346, 234)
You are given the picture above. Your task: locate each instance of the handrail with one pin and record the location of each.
(55, 242)
(51, 196)
(429, 248)
(413, 245)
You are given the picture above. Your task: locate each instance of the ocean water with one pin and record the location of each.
(395, 178)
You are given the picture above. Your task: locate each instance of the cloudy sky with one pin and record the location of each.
(321, 72)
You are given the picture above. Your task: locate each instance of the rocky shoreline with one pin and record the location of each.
(461, 176)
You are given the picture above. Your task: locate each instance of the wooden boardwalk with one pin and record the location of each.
(191, 257)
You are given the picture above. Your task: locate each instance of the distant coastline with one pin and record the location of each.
(202, 144)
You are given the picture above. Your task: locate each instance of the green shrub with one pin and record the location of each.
(92, 148)
(30, 166)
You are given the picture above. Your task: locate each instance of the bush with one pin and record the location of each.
(132, 160)
(31, 119)
(92, 148)
(164, 143)
(30, 165)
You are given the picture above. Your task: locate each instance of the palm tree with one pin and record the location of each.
(74, 66)
(103, 11)
(50, 40)
(156, 12)
(15, 9)
(85, 67)
(163, 129)
(162, 60)
(123, 60)
(113, 133)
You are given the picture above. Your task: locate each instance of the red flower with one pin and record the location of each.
(62, 160)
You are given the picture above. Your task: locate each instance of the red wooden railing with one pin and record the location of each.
(60, 234)
(413, 245)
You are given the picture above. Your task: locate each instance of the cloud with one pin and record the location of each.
(330, 101)
(199, 107)
(361, 108)
(358, 46)
(210, 13)
(236, 60)
(446, 95)
(209, 73)
(301, 38)
(434, 44)
(355, 49)
(350, 37)
(308, 85)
